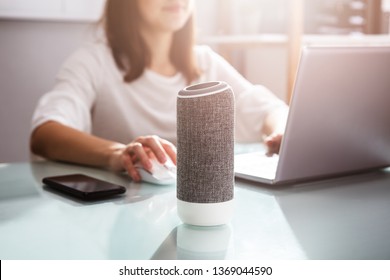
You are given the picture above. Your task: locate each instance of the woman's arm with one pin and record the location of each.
(55, 141)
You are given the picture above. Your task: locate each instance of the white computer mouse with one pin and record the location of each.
(161, 174)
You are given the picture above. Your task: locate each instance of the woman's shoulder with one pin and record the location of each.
(90, 53)
(90, 61)
(204, 51)
(205, 56)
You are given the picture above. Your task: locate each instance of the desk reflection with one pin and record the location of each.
(338, 218)
(188, 242)
(343, 218)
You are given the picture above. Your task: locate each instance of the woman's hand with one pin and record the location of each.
(142, 150)
(273, 142)
(275, 125)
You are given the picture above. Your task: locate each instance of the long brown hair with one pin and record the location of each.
(121, 24)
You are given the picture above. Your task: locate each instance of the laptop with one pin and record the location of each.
(338, 122)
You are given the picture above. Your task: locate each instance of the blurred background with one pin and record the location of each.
(261, 38)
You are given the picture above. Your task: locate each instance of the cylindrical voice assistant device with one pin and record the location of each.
(205, 154)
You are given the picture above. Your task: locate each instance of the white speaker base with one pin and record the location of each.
(205, 214)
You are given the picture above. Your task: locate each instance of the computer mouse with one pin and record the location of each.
(161, 174)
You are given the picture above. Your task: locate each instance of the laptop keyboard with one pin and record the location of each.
(257, 165)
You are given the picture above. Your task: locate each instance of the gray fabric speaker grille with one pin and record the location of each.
(205, 147)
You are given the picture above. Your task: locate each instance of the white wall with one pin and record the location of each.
(31, 53)
(36, 37)
(51, 9)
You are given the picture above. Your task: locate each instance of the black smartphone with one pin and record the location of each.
(83, 187)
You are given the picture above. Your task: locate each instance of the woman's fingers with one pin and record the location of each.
(145, 148)
(129, 167)
(154, 143)
(170, 149)
(273, 143)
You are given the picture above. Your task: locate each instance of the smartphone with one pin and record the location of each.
(83, 187)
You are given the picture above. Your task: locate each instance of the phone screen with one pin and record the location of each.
(83, 187)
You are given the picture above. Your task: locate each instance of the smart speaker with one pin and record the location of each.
(205, 154)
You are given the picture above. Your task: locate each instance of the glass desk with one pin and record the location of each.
(343, 218)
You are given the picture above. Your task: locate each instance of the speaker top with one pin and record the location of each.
(203, 89)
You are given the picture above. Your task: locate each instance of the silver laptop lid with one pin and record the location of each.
(339, 119)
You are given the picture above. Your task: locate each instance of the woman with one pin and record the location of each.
(114, 102)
